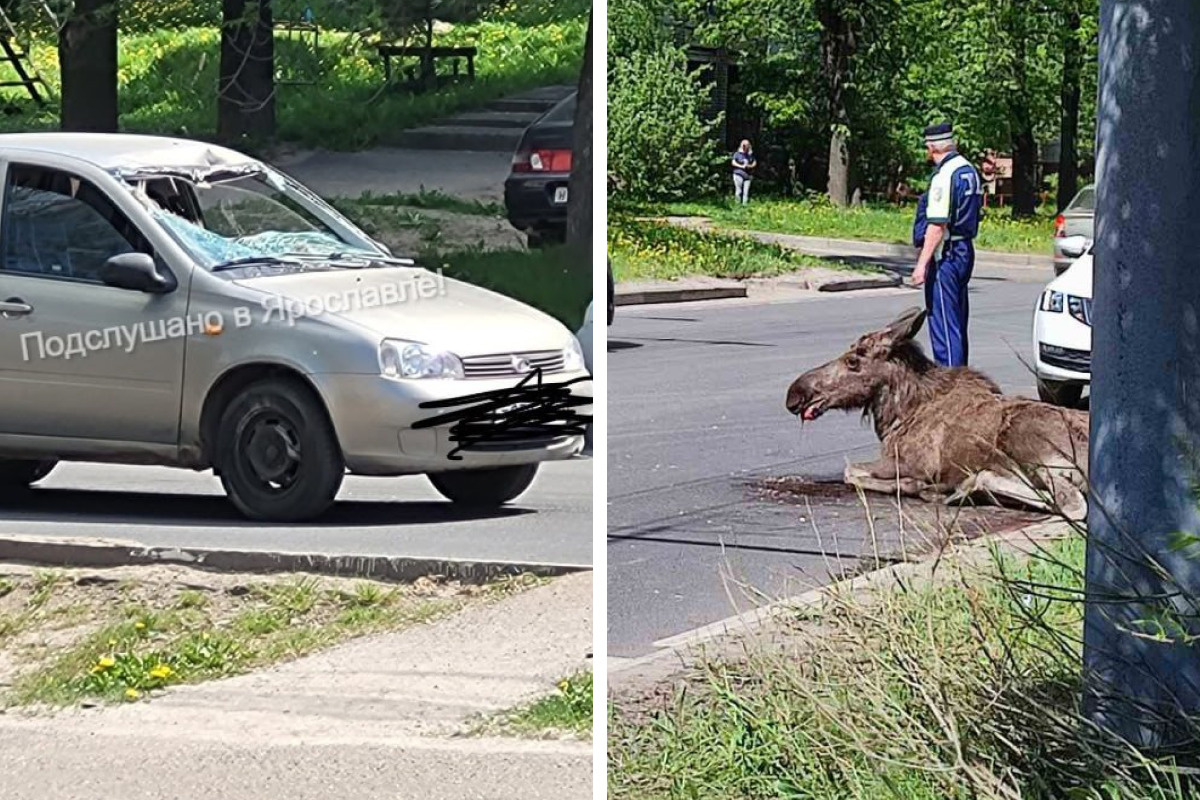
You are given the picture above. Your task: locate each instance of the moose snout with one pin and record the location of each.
(798, 396)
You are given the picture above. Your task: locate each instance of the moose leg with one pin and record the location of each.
(881, 476)
(1053, 494)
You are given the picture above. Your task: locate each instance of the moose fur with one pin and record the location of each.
(948, 432)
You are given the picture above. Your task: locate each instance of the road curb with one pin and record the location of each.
(76, 553)
(671, 653)
(681, 295)
(890, 280)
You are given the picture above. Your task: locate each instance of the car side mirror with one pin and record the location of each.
(1074, 246)
(135, 271)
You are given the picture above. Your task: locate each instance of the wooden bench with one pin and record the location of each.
(428, 58)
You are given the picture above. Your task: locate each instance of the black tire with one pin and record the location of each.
(19, 474)
(1067, 395)
(484, 488)
(277, 455)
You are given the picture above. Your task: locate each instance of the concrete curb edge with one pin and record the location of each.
(674, 648)
(72, 553)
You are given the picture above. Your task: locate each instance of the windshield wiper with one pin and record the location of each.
(255, 260)
(404, 262)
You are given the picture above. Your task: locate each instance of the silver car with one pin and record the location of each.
(172, 302)
(1077, 219)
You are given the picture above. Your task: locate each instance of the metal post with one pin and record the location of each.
(1145, 423)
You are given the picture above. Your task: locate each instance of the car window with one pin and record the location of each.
(563, 112)
(1084, 201)
(59, 225)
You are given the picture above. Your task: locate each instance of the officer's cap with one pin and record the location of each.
(942, 132)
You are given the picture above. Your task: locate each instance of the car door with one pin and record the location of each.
(80, 360)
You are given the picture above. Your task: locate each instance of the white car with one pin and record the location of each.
(1062, 329)
(585, 339)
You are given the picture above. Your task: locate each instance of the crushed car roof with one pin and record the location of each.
(129, 151)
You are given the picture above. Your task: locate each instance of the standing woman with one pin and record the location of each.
(743, 163)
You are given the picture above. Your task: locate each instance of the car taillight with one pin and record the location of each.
(1060, 226)
(542, 161)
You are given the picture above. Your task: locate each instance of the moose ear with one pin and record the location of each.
(907, 325)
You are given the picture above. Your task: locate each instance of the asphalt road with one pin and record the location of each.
(157, 506)
(697, 421)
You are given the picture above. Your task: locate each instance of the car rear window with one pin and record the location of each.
(1084, 201)
(563, 112)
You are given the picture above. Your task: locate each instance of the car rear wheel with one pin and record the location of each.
(484, 488)
(278, 457)
(1060, 394)
(18, 474)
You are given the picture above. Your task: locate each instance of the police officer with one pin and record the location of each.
(954, 205)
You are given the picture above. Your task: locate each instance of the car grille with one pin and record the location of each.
(1065, 358)
(508, 365)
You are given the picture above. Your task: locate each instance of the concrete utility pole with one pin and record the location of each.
(1145, 424)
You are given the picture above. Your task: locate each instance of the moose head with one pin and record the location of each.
(854, 379)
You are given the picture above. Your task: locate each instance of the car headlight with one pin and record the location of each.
(1052, 301)
(573, 357)
(411, 360)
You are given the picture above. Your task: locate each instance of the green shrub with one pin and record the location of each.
(659, 143)
(550, 280)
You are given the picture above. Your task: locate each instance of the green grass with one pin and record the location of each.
(119, 643)
(427, 199)
(550, 279)
(646, 249)
(876, 223)
(167, 81)
(569, 709)
(963, 689)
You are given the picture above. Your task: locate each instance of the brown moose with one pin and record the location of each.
(948, 432)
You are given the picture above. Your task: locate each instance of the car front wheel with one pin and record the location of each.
(1060, 394)
(19, 474)
(484, 488)
(277, 454)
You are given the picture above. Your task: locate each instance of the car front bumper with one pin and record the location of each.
(374, 419)
(1062, 347)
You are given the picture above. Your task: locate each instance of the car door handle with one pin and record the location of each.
(15, 307)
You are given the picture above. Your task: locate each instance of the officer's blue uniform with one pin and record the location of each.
(955, 199)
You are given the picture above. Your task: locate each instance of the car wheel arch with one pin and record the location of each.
(231, 382)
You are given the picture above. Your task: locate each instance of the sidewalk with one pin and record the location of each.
(376, 718)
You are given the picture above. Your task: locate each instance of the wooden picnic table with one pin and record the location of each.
(428, 57)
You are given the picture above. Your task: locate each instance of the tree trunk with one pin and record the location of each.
(87, 54)
(246, 89)
(1141, 665)
(837, 50)
(1024, 171)
(1068, 156)
(579, 208)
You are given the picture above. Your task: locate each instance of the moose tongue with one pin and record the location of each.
(811, 413)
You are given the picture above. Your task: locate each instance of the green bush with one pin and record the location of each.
(659, 143)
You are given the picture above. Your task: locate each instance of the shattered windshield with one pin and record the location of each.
(246, 218)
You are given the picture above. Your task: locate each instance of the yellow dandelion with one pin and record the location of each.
(139, 625)
(105, 662)
(564, 685)
(132, 694)
(162, 672)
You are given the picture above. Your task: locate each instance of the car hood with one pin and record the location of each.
(417, 305)
(1077, 279)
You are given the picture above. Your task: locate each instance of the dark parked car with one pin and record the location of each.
(535, 194)
(611, 304)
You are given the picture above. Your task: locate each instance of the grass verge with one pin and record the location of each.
(874, 223)
(644, 249)
(968, 687)
(552, 279)
(115, 635)
(427, 199)
(568, 710)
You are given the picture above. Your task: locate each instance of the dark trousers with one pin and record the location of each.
(947, 303)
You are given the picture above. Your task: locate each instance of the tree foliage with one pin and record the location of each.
(864, 77)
